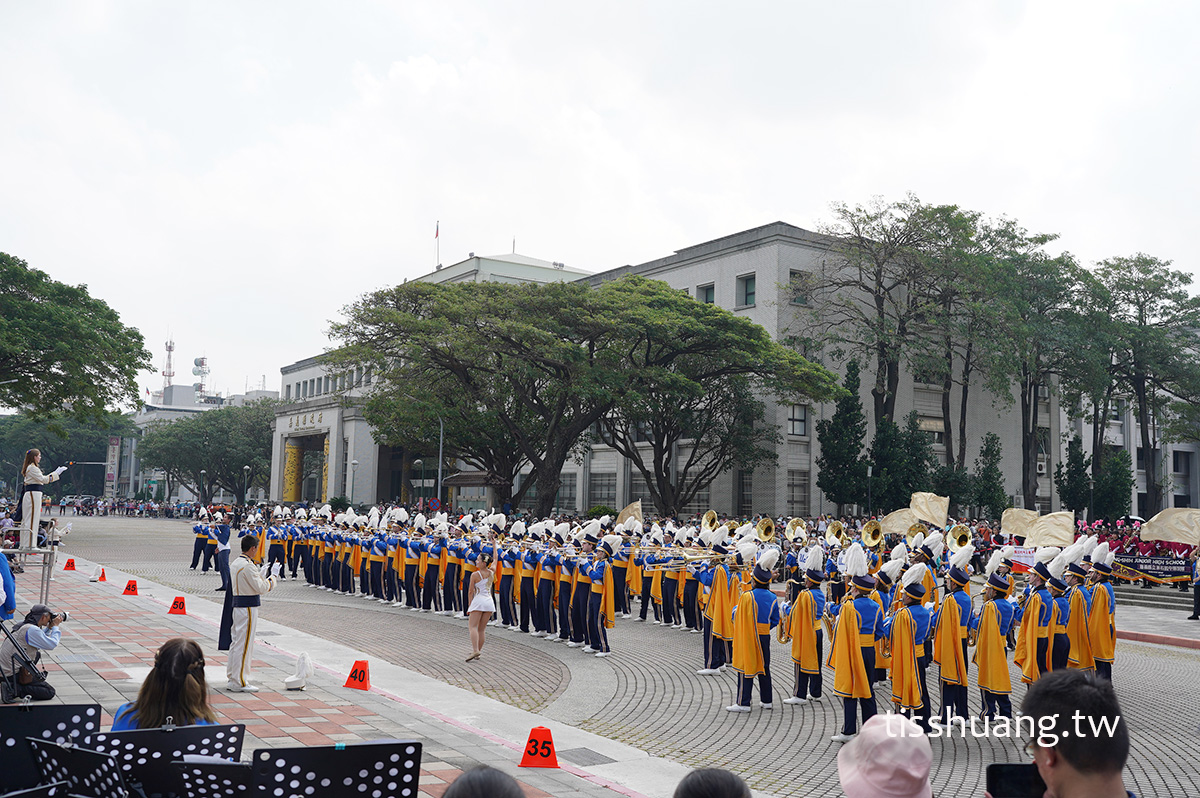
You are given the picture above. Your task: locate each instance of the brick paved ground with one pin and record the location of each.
(647, 694)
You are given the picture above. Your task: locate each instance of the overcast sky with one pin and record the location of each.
(232, 174)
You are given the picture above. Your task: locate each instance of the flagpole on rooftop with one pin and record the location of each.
(437, 243)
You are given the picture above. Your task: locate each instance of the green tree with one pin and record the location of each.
(955, 482)
(550, 361)
(1156, 321)
(1114, 486)
(841, 470)
(918, 457)
(62, 350)
(218, 442)
(988, 479)
(62, 440)
(889, 486)
(1073, 481)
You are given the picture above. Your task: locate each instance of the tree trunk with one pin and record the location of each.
(962, 406)
(1153, 490)
(947, 387)
(1029, 414)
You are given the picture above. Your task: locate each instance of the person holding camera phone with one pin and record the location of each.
(37, 633)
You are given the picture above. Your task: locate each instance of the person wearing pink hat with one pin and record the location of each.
(890, 758)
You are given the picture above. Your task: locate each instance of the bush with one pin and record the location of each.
(339, 503)
(600, 510)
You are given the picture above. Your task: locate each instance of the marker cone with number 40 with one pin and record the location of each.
(539, 749)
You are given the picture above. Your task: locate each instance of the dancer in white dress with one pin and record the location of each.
(482, 605)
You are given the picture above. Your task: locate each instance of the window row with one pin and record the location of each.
(799, 287)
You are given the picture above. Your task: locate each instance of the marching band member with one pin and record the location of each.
(620, 568)
(906, 628)
(950, 625)
(649, 581)
(248, 581)
(1102, 627)
(804, 628)
(201, 537)
(412, 564)
(1079, 601)
(670, 584)
(991, 627)
(1034, 618)
(1060, 642)
(601, 608)
(884, 594)
(718, 609)
(756, 614)
(527, 570)
(581, 595)
(452, 578)
(510, 576)
(545, 583)
(566, 582)
(852, 652)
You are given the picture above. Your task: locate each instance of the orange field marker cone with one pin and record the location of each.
(539, 749)
(177, 607)
(70, 566)
(360, 676)
(97, 575)
(130, 587)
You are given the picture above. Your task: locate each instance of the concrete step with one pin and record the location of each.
(1160, 597)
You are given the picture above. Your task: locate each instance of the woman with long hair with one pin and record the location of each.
(174, 689)
(482, 605)
(30, 500)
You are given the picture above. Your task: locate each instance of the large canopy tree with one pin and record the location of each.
(60, 441)
(61, 349)
(548, 362)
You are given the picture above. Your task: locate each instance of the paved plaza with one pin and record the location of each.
(632, 723)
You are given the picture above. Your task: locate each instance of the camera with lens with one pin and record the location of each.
(61, 617)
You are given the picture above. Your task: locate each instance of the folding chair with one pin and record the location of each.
(149, 758)
(89, 773)
(60, 723)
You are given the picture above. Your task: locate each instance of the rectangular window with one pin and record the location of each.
(565, 501)
(800, 285)
(1183, 501)
(700, 503)
(288, 392)
(327, 385)
(797, 493)
(745, 497)
(1181, 463)
(706, 294)
(746, 290)
(798, 420)
(602, 489)
(935, 428)
(367, 376)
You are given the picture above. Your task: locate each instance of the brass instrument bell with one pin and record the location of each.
(765, 530)
(958, 537)
(872, 534)
(796, 528)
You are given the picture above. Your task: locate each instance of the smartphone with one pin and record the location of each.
(1005, 780)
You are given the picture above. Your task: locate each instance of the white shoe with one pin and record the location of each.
(602, 653)
(572, 644)
(627, 616)
(589, 650)
(639, 620)
(534, 633)
(514, 628)
(695, 631)
(657, 622)
(706, 671)
(425, 610)
(795, 700)
(397, 604)
(233, 687)
(414, 609)
(842, 738)
(766, 706)
(722, 668)
(737, 708)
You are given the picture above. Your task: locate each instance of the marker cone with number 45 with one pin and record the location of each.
(539, 749)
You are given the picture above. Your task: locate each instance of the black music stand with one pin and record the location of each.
(216, 779)
(380, 769)
(89, 773)
(60, 723)
(148, 757)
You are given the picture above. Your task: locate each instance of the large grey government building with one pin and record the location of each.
(323, 447)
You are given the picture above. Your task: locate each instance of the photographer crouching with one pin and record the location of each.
(22, 649)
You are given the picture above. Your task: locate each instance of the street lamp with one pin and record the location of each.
(421, 489)
(245, 481)
(869, 470)
(353, 468)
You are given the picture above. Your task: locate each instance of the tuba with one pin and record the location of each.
(835, 534)
(795, 528)
(765, 530)
(914, 530)
(872, 534)
(709, 522)
(958, 537)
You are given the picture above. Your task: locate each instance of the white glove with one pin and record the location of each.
(929, 606)
(265, 570)
(58, 471)
(276, 569)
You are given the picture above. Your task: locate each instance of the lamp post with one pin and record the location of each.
(1091, 498)
(869, 471)
(353, 469)
(203, 473)
(421, 489)
(245, 483)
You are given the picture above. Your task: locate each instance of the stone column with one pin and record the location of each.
(293, 470)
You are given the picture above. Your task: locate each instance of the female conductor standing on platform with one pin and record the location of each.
(31, 495)
(482, 606)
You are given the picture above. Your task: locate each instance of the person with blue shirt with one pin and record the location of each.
(951, 627)
(990, 629)
(756, 614)
(37, 633)
(907, 628)
(175, 689)
(601, 607)
(803, 619)
(852, 655)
